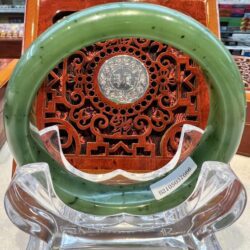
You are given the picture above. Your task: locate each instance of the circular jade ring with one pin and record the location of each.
(118, 20)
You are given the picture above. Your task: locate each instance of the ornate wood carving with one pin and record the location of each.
(98, 133)
(244, 66)
(110, 136)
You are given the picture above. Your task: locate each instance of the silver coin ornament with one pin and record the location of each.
(123, 79)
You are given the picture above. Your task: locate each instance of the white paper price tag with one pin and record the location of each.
(171, 182)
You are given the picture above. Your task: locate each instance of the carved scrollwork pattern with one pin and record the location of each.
(244, 66)
(100, 135)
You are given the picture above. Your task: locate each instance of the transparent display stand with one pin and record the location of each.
(32, 205)
(217, 201)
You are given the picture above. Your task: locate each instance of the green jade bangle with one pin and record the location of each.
(103, 22)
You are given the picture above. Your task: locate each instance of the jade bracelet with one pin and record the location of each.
(119, 20)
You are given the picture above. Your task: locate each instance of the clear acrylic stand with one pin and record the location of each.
(32, 205)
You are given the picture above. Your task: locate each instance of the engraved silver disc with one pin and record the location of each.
(123, 79)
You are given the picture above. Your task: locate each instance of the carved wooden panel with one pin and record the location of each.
(244, 66)
(99, 133)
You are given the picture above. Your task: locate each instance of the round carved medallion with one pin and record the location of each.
(123, 79)
(100, 134)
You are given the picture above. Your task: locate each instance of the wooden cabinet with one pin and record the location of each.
(11, 28)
